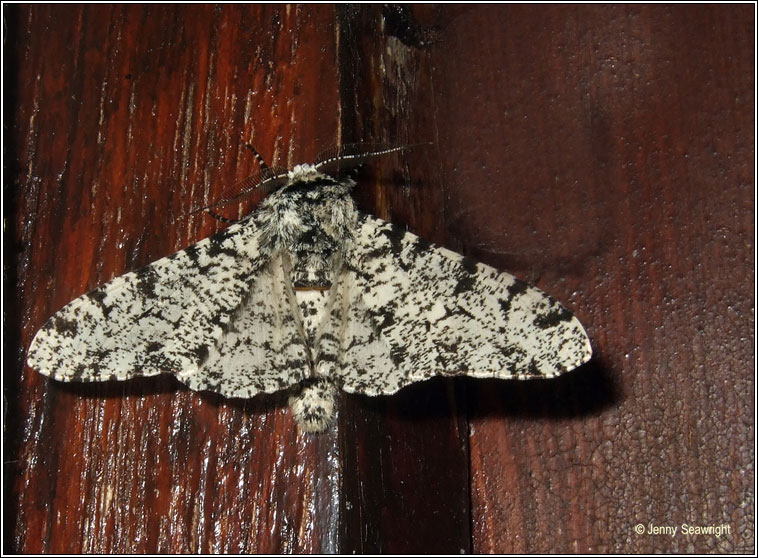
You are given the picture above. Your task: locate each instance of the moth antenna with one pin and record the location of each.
(352, 155)
(258, 157)
(267, 179)
(222, 218)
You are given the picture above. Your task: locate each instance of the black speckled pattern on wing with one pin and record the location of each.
(182, 314)
(263, 349)
(415, 310)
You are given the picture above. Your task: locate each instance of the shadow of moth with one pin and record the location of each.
(309, 294)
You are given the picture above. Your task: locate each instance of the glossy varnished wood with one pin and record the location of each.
(125, 118)
(603, 153)
(407, 490)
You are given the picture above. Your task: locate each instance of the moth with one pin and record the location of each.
(310, 295)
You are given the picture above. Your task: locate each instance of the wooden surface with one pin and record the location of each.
(603, 153)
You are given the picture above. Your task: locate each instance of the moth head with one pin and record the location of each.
(305, 173)
(335, 165)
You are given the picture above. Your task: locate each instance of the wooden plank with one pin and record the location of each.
(124, 117)
(605, 153)
(405, 457)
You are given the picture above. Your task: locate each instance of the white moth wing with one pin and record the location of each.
(264, 349)
(212, 314)
(411, 310)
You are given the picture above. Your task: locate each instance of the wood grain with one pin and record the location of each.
(613, 168)
(128, 117)
(400, 495)
(603, 153)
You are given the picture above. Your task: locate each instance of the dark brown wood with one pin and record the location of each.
(125, 117)
(604, 153)
(407, 455)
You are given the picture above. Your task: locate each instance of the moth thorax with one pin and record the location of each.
(312, 270)
(312, 301)
(312, 253)
(313, 404)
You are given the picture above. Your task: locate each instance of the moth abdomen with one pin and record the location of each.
(313, 404)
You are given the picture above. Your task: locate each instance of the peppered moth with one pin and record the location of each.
(310, 295)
